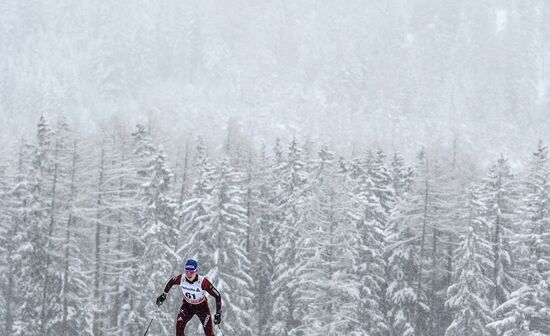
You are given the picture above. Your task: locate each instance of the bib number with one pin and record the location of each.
(190, 296)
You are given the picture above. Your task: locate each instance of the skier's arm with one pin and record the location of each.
(174, 281)
(207, 286)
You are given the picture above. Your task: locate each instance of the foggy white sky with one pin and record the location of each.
(397, 74)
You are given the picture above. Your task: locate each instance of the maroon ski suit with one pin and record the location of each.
(199, 308)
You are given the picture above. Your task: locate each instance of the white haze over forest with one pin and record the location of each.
(396, 74)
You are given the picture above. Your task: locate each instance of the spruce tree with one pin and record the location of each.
(526, 310)
(500, 191)
(370, 205)
(290, 201)
(230, 270)
(468, 296)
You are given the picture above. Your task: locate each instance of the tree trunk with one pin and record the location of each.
(97, 274)
(9, 295)
(66, 255)
(422, 246)
(432, 298)
(49, 247)
(184, 175)
(496, 248)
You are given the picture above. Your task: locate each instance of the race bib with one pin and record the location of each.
(192, 292)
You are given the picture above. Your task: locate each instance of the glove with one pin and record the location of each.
(161, 299)
(218, 317)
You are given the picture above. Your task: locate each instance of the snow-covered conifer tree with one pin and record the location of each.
(230, 270)
(500, 187)
(265, 219)
(411, 223)
(195, 212)
(382, 182)
(120, 237)
(328, 297)
(39, 183)
(468, 296)
(13, 195)
(51, 163)
(258, 209)
(527, 310)
(159, 233)
(401, 175)
(370, 205)
(290, 201)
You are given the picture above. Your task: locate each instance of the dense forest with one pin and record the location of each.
(299, 239)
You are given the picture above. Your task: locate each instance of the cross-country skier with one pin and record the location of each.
(194, 287)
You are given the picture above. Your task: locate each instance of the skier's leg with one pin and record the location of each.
(183, 317)
(206, 319)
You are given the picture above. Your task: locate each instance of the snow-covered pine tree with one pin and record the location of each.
(200, 161)
(159, 235)
(11, 238)
(328, 298)
(39, 185)
(98, 298)
(500, 188)
(230, 270)
(403, 266)
(114, 187)
(290, 201)
(29, 201)
(120, 236)
(401, 176)
(256, 199)
(194, 212)
(382, 181)
(265, 220)
(457, 176)
(468, 296)
(278, 153)
(370, 205)
(184, 180)
(447, 211)
(75, 291)
(385, 180)
(154, 226)
(401, 181)
(51, 163)
(412, 222)
(21, 207)
(527, 310)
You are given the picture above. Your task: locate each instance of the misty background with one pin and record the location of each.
(395, 74)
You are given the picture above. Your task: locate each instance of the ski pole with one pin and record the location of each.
(147, 330)
(220, 329)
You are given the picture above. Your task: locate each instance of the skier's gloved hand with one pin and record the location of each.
(161, 299)
(218, 317)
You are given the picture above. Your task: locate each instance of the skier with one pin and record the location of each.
(194, 287)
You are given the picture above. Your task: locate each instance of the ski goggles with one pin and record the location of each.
(190, 271)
